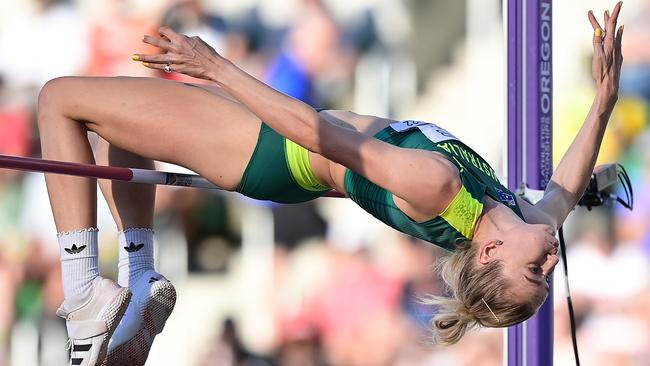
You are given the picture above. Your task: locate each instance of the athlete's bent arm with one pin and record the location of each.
(572, 175)
(424, 180)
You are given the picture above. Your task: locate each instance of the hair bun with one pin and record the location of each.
(451, 322)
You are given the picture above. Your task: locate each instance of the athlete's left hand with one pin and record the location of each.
(608, 58)
(187, 55)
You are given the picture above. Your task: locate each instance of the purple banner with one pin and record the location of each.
(530, 146)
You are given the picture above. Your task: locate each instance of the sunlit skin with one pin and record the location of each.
(528, 251)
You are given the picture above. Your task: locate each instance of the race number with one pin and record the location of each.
(432, 131)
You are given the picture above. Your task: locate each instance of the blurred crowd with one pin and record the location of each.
(320, 283)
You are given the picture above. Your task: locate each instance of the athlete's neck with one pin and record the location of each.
(495, 221)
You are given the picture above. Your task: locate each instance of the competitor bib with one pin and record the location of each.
(432, 131)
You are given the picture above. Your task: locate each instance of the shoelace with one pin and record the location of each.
(68, 346)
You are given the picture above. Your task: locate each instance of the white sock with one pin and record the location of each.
(135, 255)
(79, 265)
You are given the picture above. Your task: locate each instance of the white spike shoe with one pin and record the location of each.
(91, 325)
(153, 300)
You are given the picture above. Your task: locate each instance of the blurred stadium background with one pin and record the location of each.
(322, 283)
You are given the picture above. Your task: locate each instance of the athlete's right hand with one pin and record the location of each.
(187, 55)
(608, 58)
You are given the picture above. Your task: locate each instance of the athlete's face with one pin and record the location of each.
(529, 256)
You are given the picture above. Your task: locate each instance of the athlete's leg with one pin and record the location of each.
(147, 117)
(131, 205)
(154, 297)
(152, 118)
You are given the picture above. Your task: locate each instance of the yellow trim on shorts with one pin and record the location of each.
(463, 212)
(300, 167)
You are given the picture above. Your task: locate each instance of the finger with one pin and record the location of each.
(159, 67)
(610, 31)
(611, 22)
(618, 45)
(157, 42)
(614, 16)
(155, 59)
(598, 34)
(593, 20)
(170, 34)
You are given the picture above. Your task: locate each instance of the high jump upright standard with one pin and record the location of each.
(529, 109)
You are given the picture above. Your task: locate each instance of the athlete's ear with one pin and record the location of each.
(488, 250)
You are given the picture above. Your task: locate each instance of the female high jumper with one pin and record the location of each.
(244, 136)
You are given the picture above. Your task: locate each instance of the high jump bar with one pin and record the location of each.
(131, 175)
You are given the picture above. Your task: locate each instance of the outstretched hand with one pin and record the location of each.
(608, 58)
(187, 55)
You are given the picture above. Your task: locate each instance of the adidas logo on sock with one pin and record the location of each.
(153, 279)
(132, 248)
(74, 249)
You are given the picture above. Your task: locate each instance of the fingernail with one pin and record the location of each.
(146, 64)
(607, 12)
(135, 58)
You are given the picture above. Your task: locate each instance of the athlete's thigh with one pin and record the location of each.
(172, 122)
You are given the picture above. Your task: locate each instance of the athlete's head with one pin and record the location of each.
(528, 254)
(494, 284)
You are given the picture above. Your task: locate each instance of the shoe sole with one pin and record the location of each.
(112, 317)
(155, 313)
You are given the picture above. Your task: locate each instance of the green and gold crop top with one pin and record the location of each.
(457, 222)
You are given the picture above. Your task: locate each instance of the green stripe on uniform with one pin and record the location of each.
(300, 167)
(463, 212)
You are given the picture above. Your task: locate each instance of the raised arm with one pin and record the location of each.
(572, 175)
(302, 124)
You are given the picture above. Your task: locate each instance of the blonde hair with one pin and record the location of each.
(480, 296)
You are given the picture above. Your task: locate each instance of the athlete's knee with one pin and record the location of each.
(52, 93)
(57, 95)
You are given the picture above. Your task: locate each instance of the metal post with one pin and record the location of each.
(529, 32)
(514, 335)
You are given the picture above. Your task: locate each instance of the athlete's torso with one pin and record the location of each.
(457, 223)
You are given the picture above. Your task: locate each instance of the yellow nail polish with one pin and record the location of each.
(146, 64)
(135, 58)
(598, 32)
